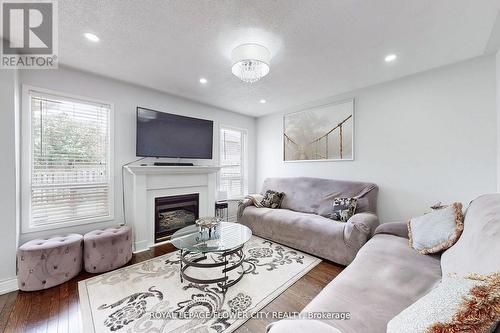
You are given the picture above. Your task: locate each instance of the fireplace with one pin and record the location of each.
(173, 213)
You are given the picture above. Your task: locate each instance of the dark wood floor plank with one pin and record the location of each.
(18, 319)
(62, 324)
(35, 321)
(53, 311)
(74, 307)
(6, 312)
(58, 309)
(3, 301)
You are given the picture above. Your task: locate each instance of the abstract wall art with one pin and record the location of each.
(320, 133)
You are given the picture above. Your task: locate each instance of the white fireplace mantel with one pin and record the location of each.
(142, 184)
(158, 170)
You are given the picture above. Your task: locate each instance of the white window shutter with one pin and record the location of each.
(233, 179)
(70, 160)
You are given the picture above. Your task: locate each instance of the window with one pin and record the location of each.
(233, 174)
(66, 160)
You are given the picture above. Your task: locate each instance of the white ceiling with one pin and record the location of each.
(320, 48)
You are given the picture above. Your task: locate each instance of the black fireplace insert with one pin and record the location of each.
(173, 213)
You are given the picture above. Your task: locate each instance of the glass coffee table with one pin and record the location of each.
(225, 243)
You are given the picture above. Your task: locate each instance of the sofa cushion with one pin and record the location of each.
(436, 231)
(304, 194)
(340, 209)
(272, 199)
(473, 251)
(386, 277)
(456, 305)
(297, 230)
(399, 229)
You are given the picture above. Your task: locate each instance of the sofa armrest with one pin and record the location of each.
(358, 230)
(399, 229)
(242, 204)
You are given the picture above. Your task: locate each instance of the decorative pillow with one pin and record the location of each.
(272, 199)
(438, 205)
(456, 305)
(342, 209)
(256, 199)
(436, 231)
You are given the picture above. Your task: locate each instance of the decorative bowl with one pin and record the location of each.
(208, 223)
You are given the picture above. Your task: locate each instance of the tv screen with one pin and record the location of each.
(162, 134)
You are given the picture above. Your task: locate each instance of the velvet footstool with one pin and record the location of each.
(44, 263)
(105, 250)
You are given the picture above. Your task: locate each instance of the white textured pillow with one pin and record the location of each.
(256, 199)
(436, 231)
(455, 305)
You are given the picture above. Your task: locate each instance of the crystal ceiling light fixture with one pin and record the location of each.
(250, 62)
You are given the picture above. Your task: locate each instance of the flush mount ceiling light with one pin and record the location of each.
(390, 58)
(203, 80)
(263, 101)
(250, 62)
(91, 37)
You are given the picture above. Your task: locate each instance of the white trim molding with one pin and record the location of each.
(143, 183)
(8, 285)
(25, 181)
(244, 160)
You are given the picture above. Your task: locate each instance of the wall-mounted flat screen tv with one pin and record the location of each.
(162, 134)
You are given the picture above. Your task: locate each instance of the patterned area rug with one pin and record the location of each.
(149, 296)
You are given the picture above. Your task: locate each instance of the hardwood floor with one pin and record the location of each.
(57, 309)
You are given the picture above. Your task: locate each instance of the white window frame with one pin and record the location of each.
(244, 154)
(26, 155)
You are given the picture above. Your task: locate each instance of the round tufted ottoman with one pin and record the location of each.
(105, 250)
(44, 263)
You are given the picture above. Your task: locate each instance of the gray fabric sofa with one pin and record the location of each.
(298, 225)
(387, 276)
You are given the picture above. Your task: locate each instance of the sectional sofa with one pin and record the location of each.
(387, 275)
(298, 224)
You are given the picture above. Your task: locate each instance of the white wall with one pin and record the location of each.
(498, 116)
(8, 186)
(425, 138)
(126, 98)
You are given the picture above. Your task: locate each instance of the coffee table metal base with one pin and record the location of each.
(188, 260)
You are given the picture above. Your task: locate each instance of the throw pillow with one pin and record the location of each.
(272, 199)
(455, 305)
(256, 199)
(436, 231)
(438, 205)
(342, 209)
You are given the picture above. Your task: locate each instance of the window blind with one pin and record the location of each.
(70, 154)
(233, 172)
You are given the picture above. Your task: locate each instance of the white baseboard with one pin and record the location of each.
(8, 285)
(140, 246)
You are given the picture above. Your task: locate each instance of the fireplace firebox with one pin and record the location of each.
(173, 213)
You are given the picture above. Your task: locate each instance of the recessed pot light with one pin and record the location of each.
(91, 37)
(390, 57)
(203, 80)
(263, 101)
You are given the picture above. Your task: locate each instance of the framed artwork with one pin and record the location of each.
(321, 133)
